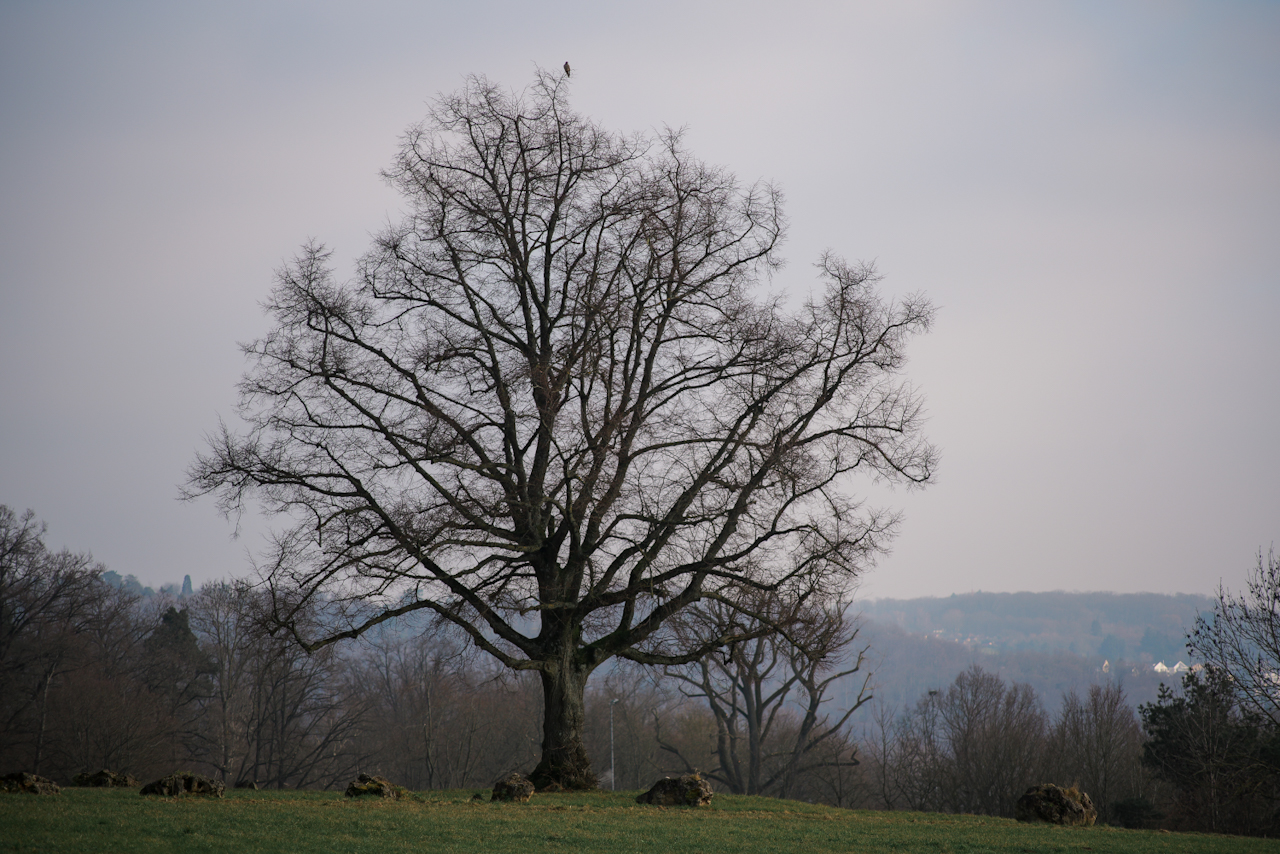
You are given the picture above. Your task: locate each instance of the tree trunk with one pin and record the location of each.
(564, 762)
(44, 715)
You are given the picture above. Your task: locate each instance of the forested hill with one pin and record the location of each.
(1053, 641)
(1131, 626)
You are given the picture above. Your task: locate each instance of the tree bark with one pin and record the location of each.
(564, 763)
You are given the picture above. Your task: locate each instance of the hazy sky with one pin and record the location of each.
(1090, 192)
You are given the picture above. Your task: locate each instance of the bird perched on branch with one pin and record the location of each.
(566, 70)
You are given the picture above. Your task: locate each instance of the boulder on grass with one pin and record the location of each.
(184, 783)
(687, 791)
(105, 779)
(513, 787)
(32, 784)
(379, 787)
(1056, 805)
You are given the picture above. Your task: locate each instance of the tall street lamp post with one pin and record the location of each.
(613, 778)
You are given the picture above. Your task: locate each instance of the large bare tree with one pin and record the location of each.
(555, 408)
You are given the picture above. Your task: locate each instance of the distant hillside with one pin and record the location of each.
(1145, 627)
(906, 665)
(1055, 642)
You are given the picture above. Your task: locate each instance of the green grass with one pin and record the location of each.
(110, 820)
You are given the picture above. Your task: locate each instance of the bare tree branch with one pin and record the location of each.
(555, 408)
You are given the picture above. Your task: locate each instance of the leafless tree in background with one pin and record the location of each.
(880, 749)
(106, 712)
(973, 749)
(81, 687)
(278, 715)
(306, 712)
(996, 735)
(767, 693)
(46, 601)
(440, 718)
(228, 629)
(1243, 638)
(1096, 744)
(918, 763)
(555, 410)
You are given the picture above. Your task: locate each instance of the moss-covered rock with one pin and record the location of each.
(1055, 805)
(32, 784)
(513, 787)
(184, 783)
(378, 787)
(105, 779)
(689, 790)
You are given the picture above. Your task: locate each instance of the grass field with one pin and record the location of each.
(120, 820)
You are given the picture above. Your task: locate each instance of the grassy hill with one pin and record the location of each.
(103, 820)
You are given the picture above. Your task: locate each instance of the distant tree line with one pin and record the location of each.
(1203, 755)
(93, 675)
(978, 745)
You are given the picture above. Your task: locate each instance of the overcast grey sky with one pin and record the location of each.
(1090, 192)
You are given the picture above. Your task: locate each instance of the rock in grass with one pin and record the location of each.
(184, 783)
(32, 784)
(105, 779)
(1056, 805)
(690, 790)
(514, 787)
(378, 787)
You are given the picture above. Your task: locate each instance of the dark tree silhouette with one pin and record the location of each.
(554, 409)
(1220, 758)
